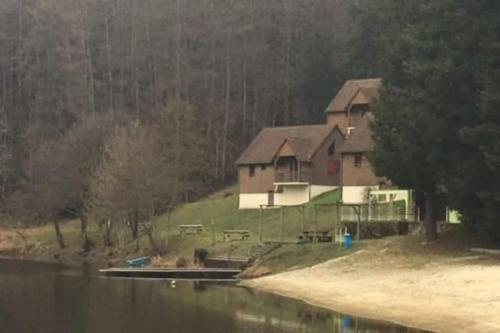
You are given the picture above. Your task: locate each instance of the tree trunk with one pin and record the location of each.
(87, 244)
(135, 229)
(178, 45)
(227, 98)
(430, 217)
(106, 233)
(149, 233)
(59, 235)
(109, 73)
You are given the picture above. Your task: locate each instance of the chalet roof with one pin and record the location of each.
(358, 140)
(304, 141)
(355, 92)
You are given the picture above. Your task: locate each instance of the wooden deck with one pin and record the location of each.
(173, 273)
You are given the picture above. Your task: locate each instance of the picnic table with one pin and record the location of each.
(191, 229)
(230, 235)
(322, 236)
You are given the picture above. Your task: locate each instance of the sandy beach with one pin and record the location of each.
(439, 293)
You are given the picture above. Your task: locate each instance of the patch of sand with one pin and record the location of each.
(439, 294)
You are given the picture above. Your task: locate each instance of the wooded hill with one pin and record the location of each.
(108, 105)
(116, 111)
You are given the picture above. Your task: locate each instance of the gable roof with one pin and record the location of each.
(355, 92)
(304, 141)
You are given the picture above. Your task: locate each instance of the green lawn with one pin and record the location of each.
(217, 212)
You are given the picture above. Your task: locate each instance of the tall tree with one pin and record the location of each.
(432, 74)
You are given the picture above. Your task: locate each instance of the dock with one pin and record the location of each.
(173, 273)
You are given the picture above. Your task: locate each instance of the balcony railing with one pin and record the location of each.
(291, 177)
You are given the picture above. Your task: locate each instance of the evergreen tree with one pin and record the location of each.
(406, 122)
(435, 123)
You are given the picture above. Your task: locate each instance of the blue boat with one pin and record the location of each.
(137, 262)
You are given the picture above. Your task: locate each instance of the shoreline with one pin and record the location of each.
(448, 295)
(332, 306)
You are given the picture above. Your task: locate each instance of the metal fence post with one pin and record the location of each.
(282, 217)
(315, 217)
(358, 226)
(260, 224)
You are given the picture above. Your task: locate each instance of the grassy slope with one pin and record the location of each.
(217, 212)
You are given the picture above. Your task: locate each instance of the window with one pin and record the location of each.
(331, 149)
(263, 167)
(251, 170)
(358, 159)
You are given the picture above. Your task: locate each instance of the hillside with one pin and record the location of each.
(217, 212)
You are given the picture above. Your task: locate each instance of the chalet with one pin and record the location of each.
(350, 110)
(292, 165)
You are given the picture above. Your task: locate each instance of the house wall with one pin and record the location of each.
(320, 160)
(319, 189)
(355, 118)
(292, 195)
(357, 176)
(261, 182)
(358, 119)
(252, 200)
(356, 194)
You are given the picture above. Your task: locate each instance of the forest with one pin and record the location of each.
(119, 110)
(114, 110)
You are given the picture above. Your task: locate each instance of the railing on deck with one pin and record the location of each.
(292, 177)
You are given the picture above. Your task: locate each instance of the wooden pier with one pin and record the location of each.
(173, 273)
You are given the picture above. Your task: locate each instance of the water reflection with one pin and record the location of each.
(37, 298)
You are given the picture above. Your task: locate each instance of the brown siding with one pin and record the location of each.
(357, 118)
(320, 176)
(261, 182)
(338, 118)
(357, 176)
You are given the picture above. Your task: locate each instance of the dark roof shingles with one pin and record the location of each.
(369, 87)
(304, 140)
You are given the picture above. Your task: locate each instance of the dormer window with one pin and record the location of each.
(331, 149)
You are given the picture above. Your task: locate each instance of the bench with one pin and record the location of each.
(321, 236)
(191, 229)
(230, 235)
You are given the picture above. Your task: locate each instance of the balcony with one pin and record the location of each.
(287, 177)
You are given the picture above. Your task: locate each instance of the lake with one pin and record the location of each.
(38, 297)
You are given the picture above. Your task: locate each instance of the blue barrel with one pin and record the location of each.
(347, 240)
(346, 321)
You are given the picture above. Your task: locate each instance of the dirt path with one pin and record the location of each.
(440, 294)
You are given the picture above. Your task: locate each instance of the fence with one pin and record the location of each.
(380, 212)
(286, 223)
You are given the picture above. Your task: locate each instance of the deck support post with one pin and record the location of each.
(339, 216)
(358, 224)
(282, 218)
(213, 231)
(260, 224)
(315, 220)
(303, 217)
